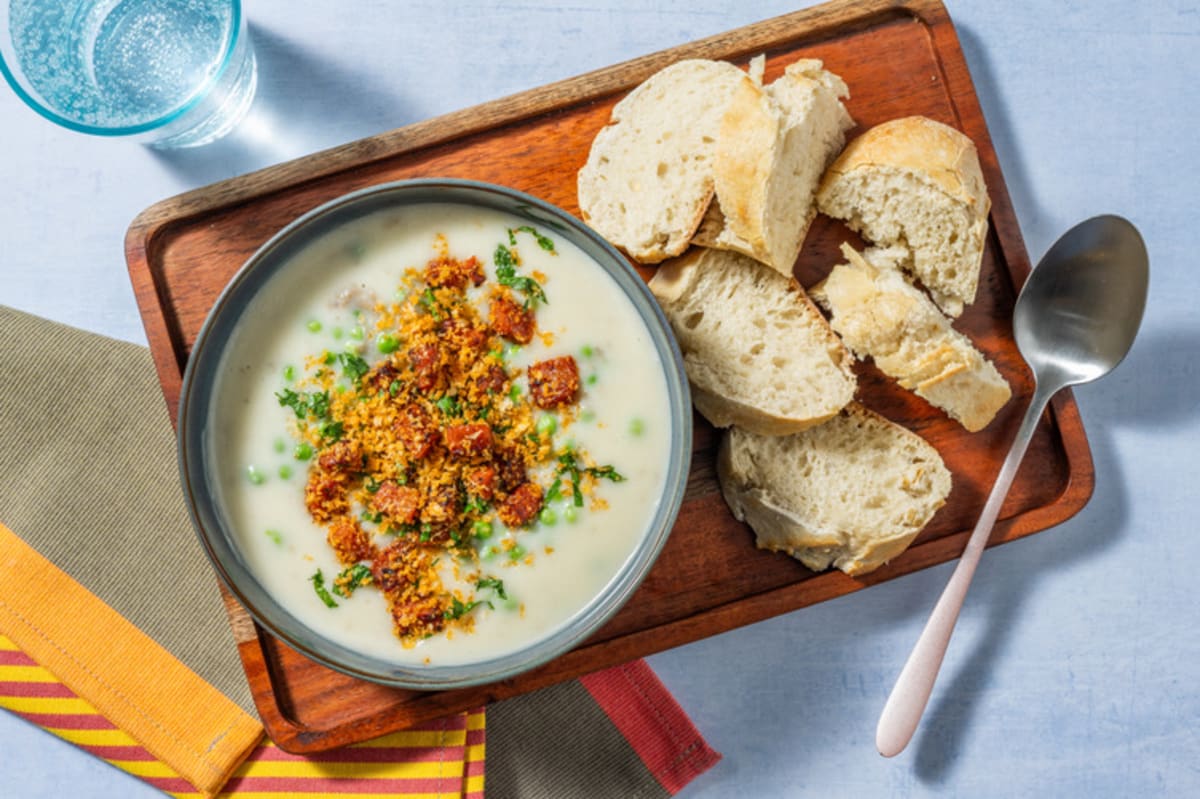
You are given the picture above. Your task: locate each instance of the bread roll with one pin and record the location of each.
(774, 144)
(916, 183)
(757, 352)
(648, 178)
(851, 493)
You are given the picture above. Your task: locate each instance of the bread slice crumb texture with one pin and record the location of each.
(757, 352)
(774, 144)
(916, 183)
(880, 315)
(648, 178)
(851, 493)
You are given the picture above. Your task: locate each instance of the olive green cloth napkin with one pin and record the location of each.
(88, 478)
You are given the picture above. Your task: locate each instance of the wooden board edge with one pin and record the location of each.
(836, 15)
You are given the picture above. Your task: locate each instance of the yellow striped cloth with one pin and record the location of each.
(439, 759)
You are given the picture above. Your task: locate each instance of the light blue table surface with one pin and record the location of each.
(1075, 670)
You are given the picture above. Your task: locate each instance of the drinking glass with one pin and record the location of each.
(168, 73)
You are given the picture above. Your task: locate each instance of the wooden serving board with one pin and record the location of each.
(899, 58)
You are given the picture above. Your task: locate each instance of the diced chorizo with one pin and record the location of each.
(382, 378)
(452, 273)
(343, 457)
(512, 469)
(416, 431)
(422, 615)
(426, 360)
(521, 506)
(462, 337)
(443, 504)
(399, 503)
(511, 320)
(481, 482)
(492, 381)
(554, 382)
(390, 566)
(325, 495)
(350, 542)
(468, 440)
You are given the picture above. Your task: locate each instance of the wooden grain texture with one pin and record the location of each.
(899, 58)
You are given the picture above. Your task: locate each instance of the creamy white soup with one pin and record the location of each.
(438, 433)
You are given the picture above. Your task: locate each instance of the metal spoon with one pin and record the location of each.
(1074, 321)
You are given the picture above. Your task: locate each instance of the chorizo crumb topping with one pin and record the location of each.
(417, 454)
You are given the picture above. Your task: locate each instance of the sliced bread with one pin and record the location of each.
(774, 144)
(851, 493)
(648, 178)
(757, 352)
(916, 183)
(880, 315)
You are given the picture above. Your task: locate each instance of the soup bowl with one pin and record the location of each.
(311, 304)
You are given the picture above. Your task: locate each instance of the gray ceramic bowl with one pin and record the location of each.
(196, 416)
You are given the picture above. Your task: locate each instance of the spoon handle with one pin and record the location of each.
(911, 693)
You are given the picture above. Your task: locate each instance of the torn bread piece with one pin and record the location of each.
(851, 493)
(775, 143)
(880, 315)
(757, 352)
(648, 178)
(916, 183)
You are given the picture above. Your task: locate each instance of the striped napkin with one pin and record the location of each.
(97, 531)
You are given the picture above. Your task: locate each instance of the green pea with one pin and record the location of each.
(571, 514)
(314, 326)
(289, 373)
(587, 351)
(548, 516)
(511, 351)
(285, 471)
(388, 343)
(482, 529)
(255, 475)
(547, 424)
(357, 333)
(279, 445)
(637, 427)
(591, 380)
(516, 553)
(338, 332)
(303, 451)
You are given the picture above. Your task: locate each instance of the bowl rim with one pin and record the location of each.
(193, 413)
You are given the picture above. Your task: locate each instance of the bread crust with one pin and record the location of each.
(921, 145)
(646, 184)
(752, 499)
(940, 157)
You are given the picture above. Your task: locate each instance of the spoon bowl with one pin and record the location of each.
(1081, 308)
(1075, 320)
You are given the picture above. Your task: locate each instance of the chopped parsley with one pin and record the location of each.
(506, 275)
(294, 400)
(570, 469)
(494, 583)
(331, 431)
(449, 406)
(353, 366)
(318, 582)
(545, 242)
(430, 304)
(351, 578)
(458, 608)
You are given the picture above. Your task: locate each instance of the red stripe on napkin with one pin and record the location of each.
(653, 723)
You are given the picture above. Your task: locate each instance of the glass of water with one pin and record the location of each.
(168, 73)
